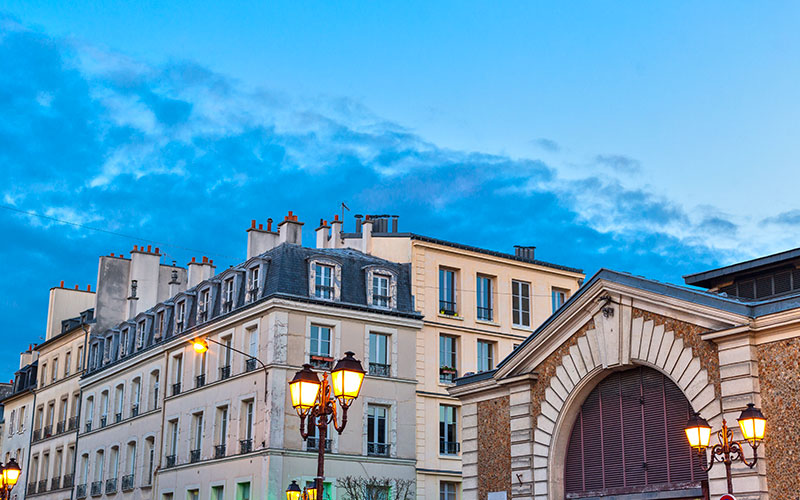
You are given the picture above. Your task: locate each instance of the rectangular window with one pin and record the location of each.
(220, 449)
(227, 304)
(447, 292)
(248, 420)
(559, 297)
(180, 315)
(447, 490)
(485, 356)
(521, 303)
(379, 354)
(123, 343)
(193, 495)
(320, 346)
(54, 375)
(323, 281)
(217, 492)
(380, 290)
(243, 491)
(377, 430)
(197, 425)
(448, 442)
(484, 297)
(140, 334)
(67, 363)
(205, 304)
(447, 358)
(80, 357)
(253, 285)
(159, 324)
(173, 437)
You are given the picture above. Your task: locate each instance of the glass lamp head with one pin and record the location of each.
(346, 378)
(293, 491)
(698, 432)
(200, 345)
(11, 473)
(304, 389)
(311, 493)
(752, 424)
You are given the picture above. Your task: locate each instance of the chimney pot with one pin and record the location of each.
(157, 250)
(122, 256)
(205, 259)
(253, 224)
(335, 217)
(261, 227)
(290, 213)
(76, 287)
(211, 261)
(135, 248)
(269, 224)
(88, 288)
(112, 254)
(62, 284)
(150, 248)
(193, 259)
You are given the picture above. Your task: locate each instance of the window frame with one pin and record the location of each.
(519, 310)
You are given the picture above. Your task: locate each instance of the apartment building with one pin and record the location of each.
(162, 421)
(18, 410)
(478, 305)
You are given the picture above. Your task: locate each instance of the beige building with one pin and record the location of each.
(18, 412)
(477, 306)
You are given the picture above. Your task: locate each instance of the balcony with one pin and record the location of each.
(379, 370)
(485, 313)
(127, 482)
(245, 445)
(447, 308)
(111, 486)
(449, 447)
(134, 410)
(55, 483)
(200, 381)
(80, 491)
(37, 435)
(88, 426)
(48, 431)
(250, 365)
(447, 374)
(69, 480)
(312, 444)
(171, 461)
(72, 423)
(378, 449)
(321, 362)
(61, 427)
(219, 451)
(118, 417)
(41, 486)
(176, 388)
(224, 372)
(194, 456)
(31, 488)
(97, 488)
(103, 421)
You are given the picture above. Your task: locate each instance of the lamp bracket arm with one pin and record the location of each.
(340, 428)
(303, 431)
(716, 450)
(738, 446)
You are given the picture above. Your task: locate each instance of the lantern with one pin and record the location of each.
(346, 378)
(698, 432)
(200, 345)
(753, 424)
(304, 389)
(11, 473)
(311, 493)
(293, 491)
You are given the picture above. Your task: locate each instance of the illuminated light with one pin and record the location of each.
(698, 432)
(200, 345)
(753, 424)
(347, 377)
(293, 491)
(304, 389)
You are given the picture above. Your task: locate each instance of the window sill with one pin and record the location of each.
(521, 328)
(443, 456)
(486, 322)
(458, 318)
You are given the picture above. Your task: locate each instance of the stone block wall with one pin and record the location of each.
(494, 447)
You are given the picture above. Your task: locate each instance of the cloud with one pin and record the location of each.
(718, 225)
(619, 163)
(789, 218)
(546, 144)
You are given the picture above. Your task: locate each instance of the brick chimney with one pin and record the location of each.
(290, 230)
(323, 232)
(336, 233)
(200, 271)
(259, 240)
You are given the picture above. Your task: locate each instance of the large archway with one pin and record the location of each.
(628, 442)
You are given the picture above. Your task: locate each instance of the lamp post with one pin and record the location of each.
(293, 492)
(315, 400)
(200, 346)
(9, 474)
(753, 426)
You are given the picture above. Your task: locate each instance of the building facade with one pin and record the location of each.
(593, 404)
(18, 410)
(477, 306)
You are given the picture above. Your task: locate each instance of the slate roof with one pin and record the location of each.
(706, 278)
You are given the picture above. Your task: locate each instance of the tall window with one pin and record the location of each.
(227, 296)
(159, 324)
(154, 378)
(225, 369)
(130, 459)
(448, 442)
(177, 373)
(114, 469)
(54, 375)
(149, 453)
(173, 438)
(222, 432)
(447, 292)
(246, 443)
(380, 290)
(252, 349)
(136, 396)
(118, 398)
(485, 355)
(103, 408)
(140, 334)
(243, 491)
(559, 297)
(378, 354)
(89, 412)
(447, 490)
(323, 281)
(521, 303)
(484, 297)
(99, 462)
(217, 492)
(377, 430)
(320, 346)
(84, 469)
(447, 358)
(180, 316)
(67, 363)
(205, 304)
(80, 357)
(123, 343)
(197, 436)
(252, 285)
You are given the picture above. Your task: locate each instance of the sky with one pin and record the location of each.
(654, 138)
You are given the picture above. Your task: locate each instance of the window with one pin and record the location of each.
(227, 296)
(313, 439)
(159, 324)
(484, 298)
(378, 355)
(253, 285)
(114, 463)
(559, 297)
(222, 432)
(225, 368)
(150, 452)
(89, 412)
(197, 437)
(118, 401)
(320, 346)
(140, 334)
(123, 343)
(136, 395)
(243, 491)
(172, 446)
(54, 375)
(378, 492)
(154, 376)
(380, 290)
(80, 357)
(200, 369)
(205, 304)
(485, 355)
(67, 363)
(447, 358)
(177, 374)
(217, 492)
(99, 463)
(247, 432)
(44, 375)
(130, 458)
(377, 431)
(193, 495)
(103, 408)
(447, 292)
(447, 490)
(521, 303)
(323, 281)
(84, 469)
(252, 349)
(180, 315)
(448, 443)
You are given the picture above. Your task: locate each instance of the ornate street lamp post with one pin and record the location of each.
(9, 474)
(753, 426)
(315, 400)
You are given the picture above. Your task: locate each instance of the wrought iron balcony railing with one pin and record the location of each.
(118, 417)
(72, 424)
(245, 445)
(321, 362)
(485, 313)
(448, 308)
(176, 388)
(42, 486)
(378, 449)
(134, 410)
(449, 447)
(61, 427)
(48, 431)
(200, 380)
(31, 488)
(219, 451)
(111, 486)
(312, 444)
(69, 480)
(97, 488)
(224, 372)
(171, 461)
(447, 375)
(127, 482)
(80, 491)
(37, 435)
(55, 483)
(379, 370)
(250, 365)
(88, 425)
(103, 421)
(194, 456)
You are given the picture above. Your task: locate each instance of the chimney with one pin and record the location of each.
(322, 234)
(145, 265)
(358, 223)
(65, 303)
(260, 240)
(133, 298)
(524, 252)
(290, 230)
(200, 271)
(394, 223)
(113, 286)
(174, 281)
(366, 235)
(336, 233)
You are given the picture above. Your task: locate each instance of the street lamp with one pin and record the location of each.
(293, 492)
(753, 426)
(200, 346)
(315, 399)
(9, 475)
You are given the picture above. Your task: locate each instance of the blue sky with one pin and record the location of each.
(654, 138)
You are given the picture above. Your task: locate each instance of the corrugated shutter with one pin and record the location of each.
(629, 434)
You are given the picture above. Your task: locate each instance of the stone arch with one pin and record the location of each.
(607, 347)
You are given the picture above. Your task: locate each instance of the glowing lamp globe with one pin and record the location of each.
(753, 424)
(200, 345)
(293, 491)
(346, 378)
(11, 473)
(311, 494)
(304, 389)
(698, 432)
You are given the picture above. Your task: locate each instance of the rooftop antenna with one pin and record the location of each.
(344, 207)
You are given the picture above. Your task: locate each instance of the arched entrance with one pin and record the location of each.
(628, 441)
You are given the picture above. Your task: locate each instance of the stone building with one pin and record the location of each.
(594, 402)
(18, 411)
(477, 305)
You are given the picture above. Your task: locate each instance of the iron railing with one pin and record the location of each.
(250, 365)
(48, 431)
(80, 491)
(61, 427)
(134, 410)
(55, 483)
(449, 447)
(219, 451)
(176, 388)
(37, 435)
(321, 362)
(111, 486)
(312, 444)
(194, 456)
(31, 488)
(485, 313)
(72, 424)
(171, 461)
(97, 488)
(42, 487)
(118, 417)
(88, 425)
(378, 449)
(103, 421)
(200, 380)
(69, 480)
(245, 445)
(447, 375)
(127, 482)
(448, 308)
(379, 369)
(224, 372)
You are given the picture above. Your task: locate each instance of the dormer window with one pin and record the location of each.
(253, 284)
(159, 325)
(323, 281)
(123, 343)
(380, 290)
(140, 334)
(204, 305)
(180, 316)
(227, 295)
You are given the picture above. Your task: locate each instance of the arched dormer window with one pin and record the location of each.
(381, 287)
(325, 279)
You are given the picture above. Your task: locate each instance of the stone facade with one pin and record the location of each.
(494, 447)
